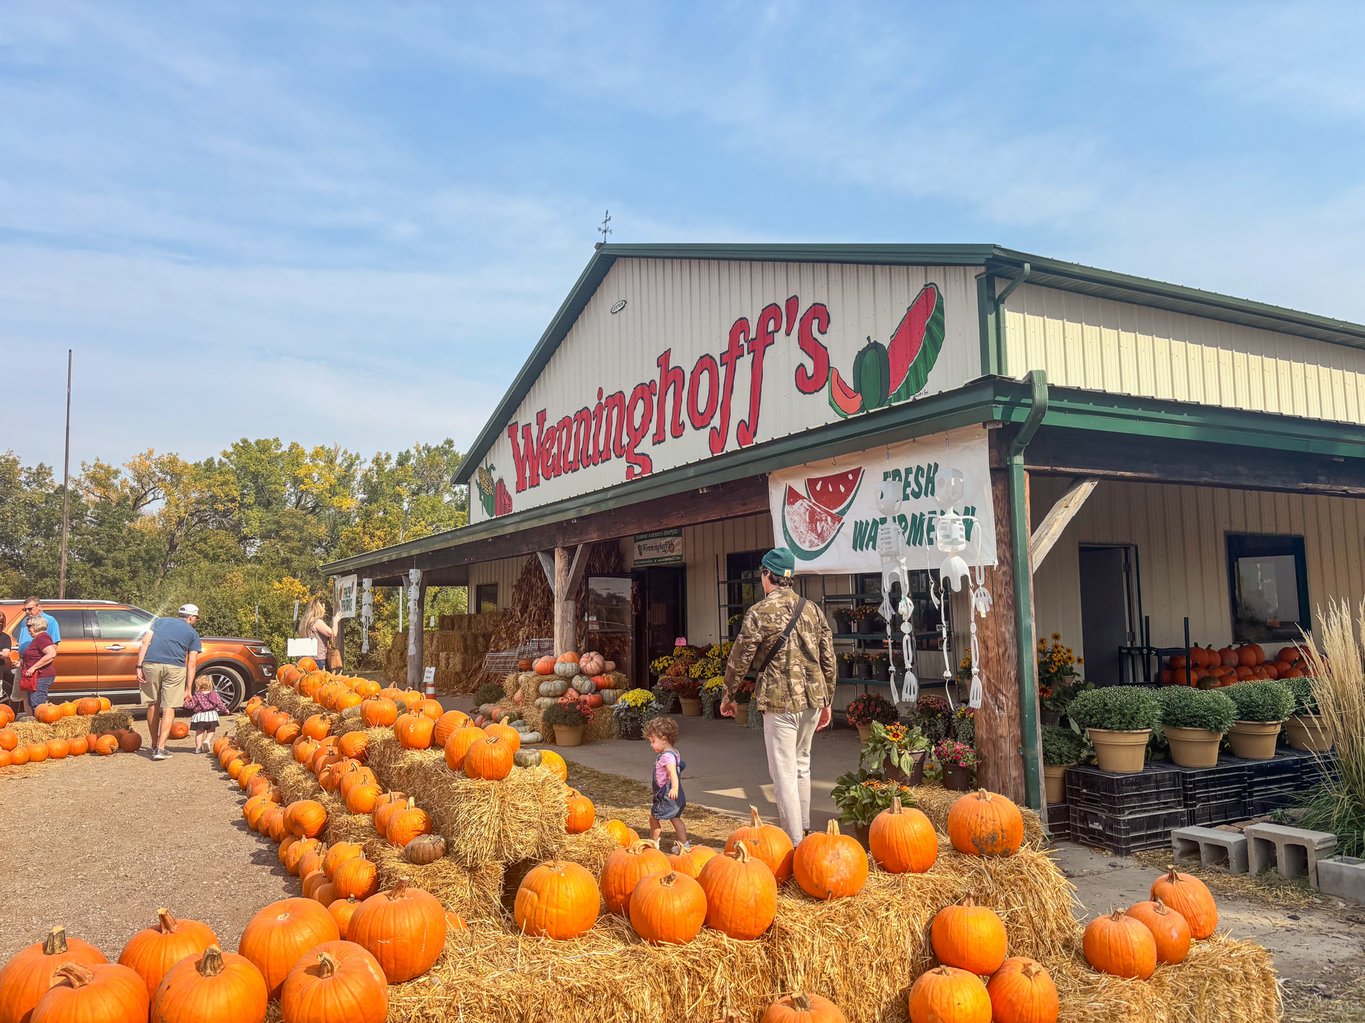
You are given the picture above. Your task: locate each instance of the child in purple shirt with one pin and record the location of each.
(669, 800)
(205, 705)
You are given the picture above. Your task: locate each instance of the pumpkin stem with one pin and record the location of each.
(833, 827)
(1173, 876)
(1117, 916)
(753, 813)
(211, 963)
(895, 805)
(327, 966)
(1161, 907)
(741, 852)
(165, 921)
(399, 889)
(967, 901)
(74, 974)
(55, 943)
(1030, 969)
(669, 879)
(801, 1003)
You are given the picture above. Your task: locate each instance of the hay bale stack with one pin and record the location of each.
(936, 802)
(295, 704)
(602, 726)
(347, 827)
(297, 782)
(471, 892)
(590, 848)
(264, 750)
(110, 721)
(64, 728)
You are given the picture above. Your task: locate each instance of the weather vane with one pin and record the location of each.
(604, 230)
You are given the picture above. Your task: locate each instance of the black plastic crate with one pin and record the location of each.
(1287, 765)
(1125, 833)
(1152, 788)
(1201, 784)
(1209, 812)
(1059, 821)
(1269, 802)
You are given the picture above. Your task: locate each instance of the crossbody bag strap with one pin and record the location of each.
(782, 640)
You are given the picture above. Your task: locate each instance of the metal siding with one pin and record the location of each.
(1180, 535)
(1102, 344)
(504, 572)
(689, 306)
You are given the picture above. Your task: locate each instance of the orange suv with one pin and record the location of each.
(100, 642)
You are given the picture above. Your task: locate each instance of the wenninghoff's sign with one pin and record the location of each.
(684, 408)
(826, 512)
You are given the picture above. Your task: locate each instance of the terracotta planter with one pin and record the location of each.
(1254, 740)
(958, 779)
(913, 777)
(864, 732)
(1120, 752)
(1193, 747)
(568, 735)
(1308, 731)
(742, 715)
(690, 708)
(1054, 781)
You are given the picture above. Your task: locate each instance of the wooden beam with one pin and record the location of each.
(1059, 516)
(547, 565)
(579, 566)
(565, 607)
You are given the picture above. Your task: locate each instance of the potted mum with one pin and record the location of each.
(1194, 722)
(632, 710)
(1261, 709)
(1305, 729)
(861, 795)
(568, 718)
(864, 710)
(688, 692)
(897, 750)
(958, 761)
(1062, 748)
(934, 717)
(710, 696)
(1119, 721)
(1057, 677)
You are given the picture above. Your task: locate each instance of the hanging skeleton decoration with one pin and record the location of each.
(956, 573)
(366, 614)
(414, 599)
(892, 549)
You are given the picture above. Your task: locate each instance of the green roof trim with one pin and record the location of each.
(993, 259)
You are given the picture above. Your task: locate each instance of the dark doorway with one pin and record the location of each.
(664, 612)
(1111, 607)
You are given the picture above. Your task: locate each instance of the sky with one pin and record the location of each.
(348, 223)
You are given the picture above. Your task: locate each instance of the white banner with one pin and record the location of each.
(345, 600)
(826, 512)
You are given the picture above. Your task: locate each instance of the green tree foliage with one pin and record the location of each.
(243, 534)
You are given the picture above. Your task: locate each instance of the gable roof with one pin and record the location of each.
(1009, 263)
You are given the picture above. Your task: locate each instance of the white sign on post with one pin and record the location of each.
(429, 681)
(346, 588)
(826, 512)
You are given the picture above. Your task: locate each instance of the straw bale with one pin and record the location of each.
(471, 892)
(347, 827)
(602, 726)
(297, 782)
(111, 721)
(936, 802)
(63, 728)
(1222, 980)
(590, 848)
(264, 750)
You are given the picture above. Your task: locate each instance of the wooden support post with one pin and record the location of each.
(564, 571)
(998, 732)
(1059, 516)
(417, 600)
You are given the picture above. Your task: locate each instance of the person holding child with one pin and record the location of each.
(669, 799)
(204, 704)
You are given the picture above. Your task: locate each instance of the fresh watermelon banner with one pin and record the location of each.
(826, 511)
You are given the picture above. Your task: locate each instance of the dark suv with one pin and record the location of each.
(100, 642)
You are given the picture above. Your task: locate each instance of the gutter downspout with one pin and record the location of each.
(1020, 534)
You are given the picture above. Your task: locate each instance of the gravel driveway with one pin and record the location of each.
(97, 844)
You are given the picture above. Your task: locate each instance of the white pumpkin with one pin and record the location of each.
(582, 684)
(553, 687)
(566, 669)
(530, 737)
(520, 725)
(545, 702)
(592, 664)
(609, 666)
(610, 696)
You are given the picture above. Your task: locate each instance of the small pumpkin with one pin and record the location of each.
(179, 729)
(1170, 929)
(1021, 991)
(668, 908)
(88, 706)
(947, 993)
(447, 725)
(354, 745)
(424, 849)
(403, 928)
(741, 894)
(555, 764)
(526, 758)
(1120, 945)
(406, 824)
(830, 865)
(558, 899)
(579, 813)
(152, 951)
(970, 937)
(902, 840)
(457, 746)
(690, 861)
(985, 823)
(566, 669)
(284, 735)
(101, 993)
(342, 910)
(592, 663)
(378, 711)
(765, 842)
(105, 745)
(624, 834)
(338, 853)
(336, 982)
(293, 856)
(553, 688)
(355, 878)
(279, 935)
(582, 684)
(1189, 897)
(544, 665)
(802, 1008)
(305, 818)
(216, 985)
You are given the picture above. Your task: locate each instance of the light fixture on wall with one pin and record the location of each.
(617, 306)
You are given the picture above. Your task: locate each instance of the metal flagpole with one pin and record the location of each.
(66, 482)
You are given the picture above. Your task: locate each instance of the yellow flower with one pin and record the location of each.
(1056, 635)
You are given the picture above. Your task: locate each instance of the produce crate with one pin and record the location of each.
(1275, 799)
(1126, 833)
(1210, 812)
(1059, 821)
(1226, 781)
(1152, 788)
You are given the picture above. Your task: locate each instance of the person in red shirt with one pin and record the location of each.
(38, 665)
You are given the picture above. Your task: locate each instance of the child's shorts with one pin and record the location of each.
(204, 726)
(665, 809)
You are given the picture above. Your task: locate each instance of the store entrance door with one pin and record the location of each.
(1111, 607)
(665, 612)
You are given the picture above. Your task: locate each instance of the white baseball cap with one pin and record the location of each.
(188, 609)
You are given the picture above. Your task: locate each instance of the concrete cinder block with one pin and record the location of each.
(1295, 852)
(1344, 877)
(1213, 848)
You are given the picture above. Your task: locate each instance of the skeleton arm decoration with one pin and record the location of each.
(891, 547)
(950, 537)
(366, 614)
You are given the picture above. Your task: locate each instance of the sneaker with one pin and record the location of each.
(158, 754)
(165, 753)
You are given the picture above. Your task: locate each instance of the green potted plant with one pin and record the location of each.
(860, 795)
(1305, 728)
(1261, 710)
(897, 750)
(1194, 722)
(958, 762)
(631, 710)
(1119, 721)
(1062, 748)
(568, 718)
(866, 709)
(934, 717)
(1058, 679)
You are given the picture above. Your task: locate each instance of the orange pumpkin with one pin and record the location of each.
(765, 842)
(902, 840)
(104, 991)
(356, 878)
(580, 813)
(457, 745)
(214, 985)
(1120, 945)
(28, 975)
(692, 861)
(623, 833)
(970, 937)
(354, 745)
(985, 823)
(337, 982)
(741, 894)
(1189, 897)
(829, 865)
(1170, 930)
(507, 733)
(947, 993)
(544, 666)
(414, 731)
(407, 823)
(1021, 991)
(446, 726)
(555, 764)
(403, 928)
(152, 951)
(557, 900)
(278, 936)
(667, 909)
(625, 868)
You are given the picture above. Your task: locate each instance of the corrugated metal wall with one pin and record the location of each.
(505, 573)
(1105, 345)
(1180, 536)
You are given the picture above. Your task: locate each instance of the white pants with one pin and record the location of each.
(787, 738)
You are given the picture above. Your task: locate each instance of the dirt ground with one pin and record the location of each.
(97, 844)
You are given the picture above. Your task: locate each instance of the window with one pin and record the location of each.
(70, 622)
(1268, 582)
(485, 598)
(122, 622)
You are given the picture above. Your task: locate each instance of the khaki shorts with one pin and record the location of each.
(163, 684)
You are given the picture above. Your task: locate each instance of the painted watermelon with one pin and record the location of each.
(842, 398)
(836, 491)
(808, 528)
(502, 499)
(915, 345)
(872, 374)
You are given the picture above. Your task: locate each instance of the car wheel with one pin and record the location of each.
(229, 683)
